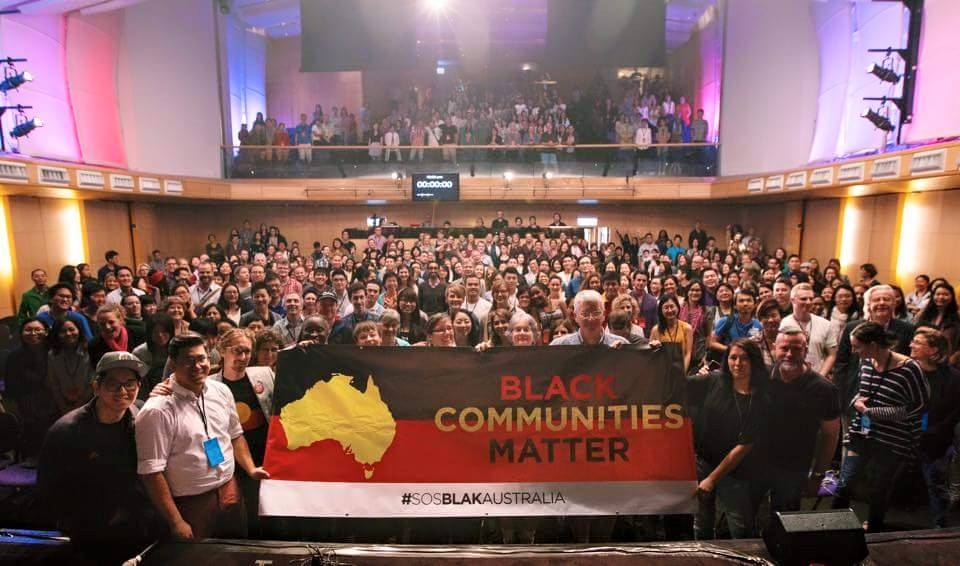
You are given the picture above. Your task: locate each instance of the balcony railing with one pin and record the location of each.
(530, 161)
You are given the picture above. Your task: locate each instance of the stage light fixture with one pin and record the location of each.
(15, 81)
(884, 74)
(473, 170)
(878, 120)
(547, 175)
(395, 176)
(24, 128)
(508, 176)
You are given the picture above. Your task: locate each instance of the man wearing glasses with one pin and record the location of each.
(588, 312)
(88, 466)
(187, 444)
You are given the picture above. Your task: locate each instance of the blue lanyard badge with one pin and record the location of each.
(214, 455)
(211, 447)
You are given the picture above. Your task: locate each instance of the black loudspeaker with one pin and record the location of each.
(834, 538)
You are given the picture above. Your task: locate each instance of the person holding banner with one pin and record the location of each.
(732, 409)
(589, 314)
(187, 446)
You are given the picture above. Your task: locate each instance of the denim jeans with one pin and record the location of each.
(935, 473)
(735, 498)
(884, 467)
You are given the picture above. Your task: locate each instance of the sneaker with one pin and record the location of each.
(829, 484)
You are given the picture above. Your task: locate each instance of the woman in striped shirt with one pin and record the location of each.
(888, 409)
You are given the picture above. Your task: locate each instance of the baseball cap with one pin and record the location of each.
(327, 295)
(125, 360)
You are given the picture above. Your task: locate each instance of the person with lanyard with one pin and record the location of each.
(821, 342)
(252, 390)
(929, 349)
(880, 301)
(891, 399)
(289, 326)
(92, 447)
(742, 325)
(188, 444)
(338, 279)
(805, 415)
(731, 412)
(204, 292)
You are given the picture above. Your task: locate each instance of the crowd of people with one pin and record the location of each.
(784, 358)
(508, 114)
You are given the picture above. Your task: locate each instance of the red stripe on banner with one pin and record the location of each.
(421, 453)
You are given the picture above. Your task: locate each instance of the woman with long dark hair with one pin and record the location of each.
(694, 313)
(27, 393)
(671, 329)
(941, 314)
(411, 318)
(891, 398)
(728, 430)
(68, 366)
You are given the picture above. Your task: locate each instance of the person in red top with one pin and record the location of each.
(282, 138)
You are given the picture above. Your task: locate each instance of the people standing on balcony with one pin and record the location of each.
(391, 143)
(302, 139)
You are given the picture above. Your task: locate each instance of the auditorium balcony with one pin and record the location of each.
(485, 161)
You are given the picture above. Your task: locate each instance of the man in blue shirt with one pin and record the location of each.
(302, 139)
(743, 325)
(676, 249)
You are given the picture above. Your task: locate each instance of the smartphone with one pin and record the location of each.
(713, 364)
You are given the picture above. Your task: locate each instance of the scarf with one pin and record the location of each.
(120, 344)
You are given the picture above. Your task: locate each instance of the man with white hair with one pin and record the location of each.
(821, 341)
(880, 302)
(589, 314)
(805, 416)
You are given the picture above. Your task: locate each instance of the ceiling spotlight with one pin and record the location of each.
(547, 175)
(436, 6)
(508, 175)
(24, 128)
(884, 74)
(878, 120)
(395, 176)
(13, 82)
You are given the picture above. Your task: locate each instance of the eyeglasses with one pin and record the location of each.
(591, 315)
(241, 350)
(34, 331)
(115, 387)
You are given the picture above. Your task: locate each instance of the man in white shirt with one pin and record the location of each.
(821, 341)
(204, 292)
(338, 278)
(391, 141)
(125, 278)
(188, 444)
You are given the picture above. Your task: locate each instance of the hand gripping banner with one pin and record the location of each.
(448, 432)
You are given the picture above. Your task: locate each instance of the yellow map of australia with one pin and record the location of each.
(335, 410)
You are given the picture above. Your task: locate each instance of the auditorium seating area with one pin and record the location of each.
(424, 131)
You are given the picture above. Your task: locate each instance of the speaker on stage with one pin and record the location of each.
(824, 537)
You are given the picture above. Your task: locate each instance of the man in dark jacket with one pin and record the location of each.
(87, 473)
(881, 302)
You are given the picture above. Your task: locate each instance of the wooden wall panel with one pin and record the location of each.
(820, 233)
(108, 228)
